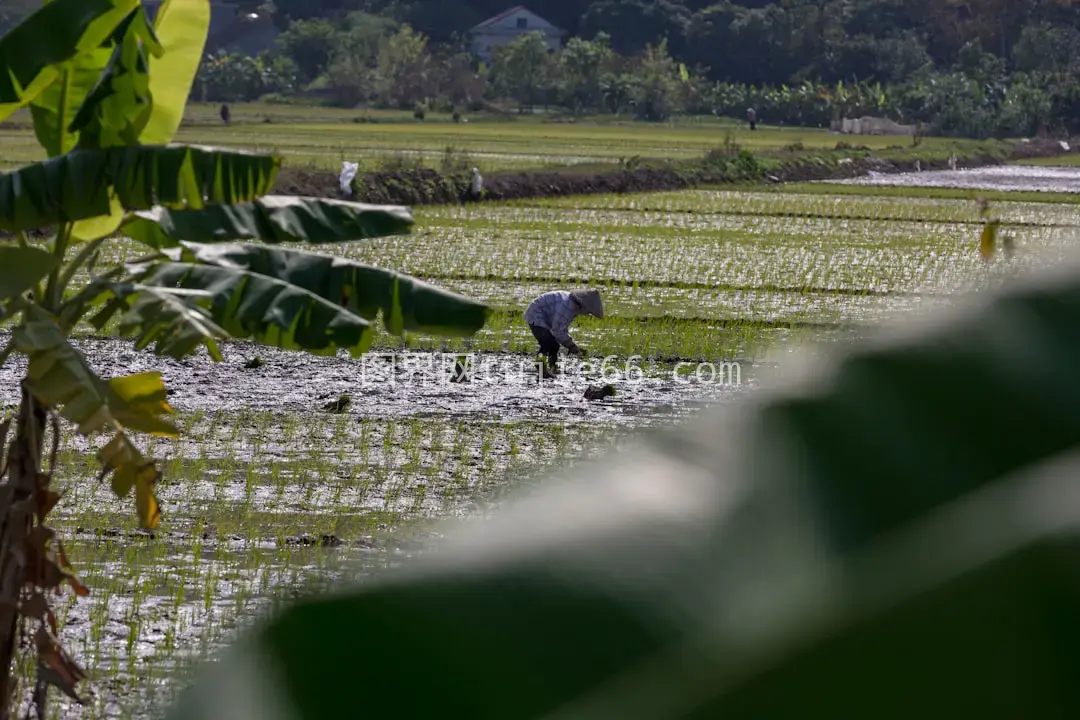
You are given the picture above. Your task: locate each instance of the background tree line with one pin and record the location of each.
(369, 59)
(963, 67)
(773, 42)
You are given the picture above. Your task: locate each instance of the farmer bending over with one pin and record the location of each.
(549, 317)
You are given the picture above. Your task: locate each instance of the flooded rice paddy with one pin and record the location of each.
(1031, 178)
(267, 494)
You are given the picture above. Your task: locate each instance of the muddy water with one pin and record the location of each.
(149, 644)
(176, 598)
(1005, 178)
(501, 387)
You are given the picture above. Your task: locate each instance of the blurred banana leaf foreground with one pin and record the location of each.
(896, 537)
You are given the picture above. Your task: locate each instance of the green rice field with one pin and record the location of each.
(325, 137)
(267, 495)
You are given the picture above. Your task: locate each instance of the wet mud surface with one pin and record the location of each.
(154, 640)
(267, 495)
(502, 387)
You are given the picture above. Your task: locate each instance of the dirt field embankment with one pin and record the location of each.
(432, 187)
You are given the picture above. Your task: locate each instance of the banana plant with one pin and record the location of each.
(106, 88)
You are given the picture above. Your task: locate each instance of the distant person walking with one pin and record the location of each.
(226, 115)
(751, 117)
(549, 317)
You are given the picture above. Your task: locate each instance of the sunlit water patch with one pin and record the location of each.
(1005, 178)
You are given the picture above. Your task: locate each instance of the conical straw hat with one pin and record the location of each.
(590, 300)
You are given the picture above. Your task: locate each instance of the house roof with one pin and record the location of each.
(506, 13)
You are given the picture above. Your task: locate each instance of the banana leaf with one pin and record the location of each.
(270, 219)
(181, 27)
(21, 268)
(58, 375)
(307, 301)
(84, 184)
(34, 50)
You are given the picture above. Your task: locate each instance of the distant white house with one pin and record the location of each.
(510, 24)
(871, 126)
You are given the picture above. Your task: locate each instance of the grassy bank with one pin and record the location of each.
(727, 164)
(406, 161)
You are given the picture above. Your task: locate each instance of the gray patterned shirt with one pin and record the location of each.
(555, 311)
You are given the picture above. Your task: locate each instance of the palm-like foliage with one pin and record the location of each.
(106, 89)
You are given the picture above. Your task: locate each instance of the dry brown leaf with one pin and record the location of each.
(52, 655)
(4, 427)
(76, 584)
(988, 240)
(35, 607)
(47, 500)
(39, 537)
(52, 575)
(145, 501)
(61, 555)
(50, 677)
